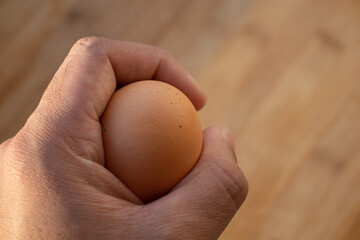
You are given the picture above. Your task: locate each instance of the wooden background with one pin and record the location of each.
(283, 75)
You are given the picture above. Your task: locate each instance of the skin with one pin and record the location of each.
(52, 181)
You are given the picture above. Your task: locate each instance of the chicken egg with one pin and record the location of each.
(152, 137)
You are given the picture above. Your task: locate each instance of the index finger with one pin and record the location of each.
(95, 66)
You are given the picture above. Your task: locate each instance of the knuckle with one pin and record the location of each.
(4, 149)
(23, 143)
(160, 52)
(34, 135)
(14, 153)
(89, 41)
(4, 144)
(89, 45)
(163, 52)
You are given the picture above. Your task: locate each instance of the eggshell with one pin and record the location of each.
(152, 137)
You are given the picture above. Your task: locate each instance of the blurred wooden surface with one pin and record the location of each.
(283, 75)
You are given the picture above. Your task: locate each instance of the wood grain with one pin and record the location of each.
(284, 76)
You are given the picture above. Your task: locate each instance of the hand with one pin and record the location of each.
(52, 181)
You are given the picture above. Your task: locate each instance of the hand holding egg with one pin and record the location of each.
(151, 138)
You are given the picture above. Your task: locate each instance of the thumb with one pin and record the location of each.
(209, 196)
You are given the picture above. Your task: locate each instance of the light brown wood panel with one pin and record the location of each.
(284, 76)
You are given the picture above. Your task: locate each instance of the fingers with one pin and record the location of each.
(80, 90)
(212, 192)
(95, 66)
(218, 163)
(134, 61)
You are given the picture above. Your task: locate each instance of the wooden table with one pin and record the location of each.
(283, 75)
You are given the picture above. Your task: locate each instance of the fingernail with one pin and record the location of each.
(225, 133)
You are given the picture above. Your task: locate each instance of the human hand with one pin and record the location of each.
(53, 183)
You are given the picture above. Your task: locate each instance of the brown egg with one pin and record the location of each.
(152, 137)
